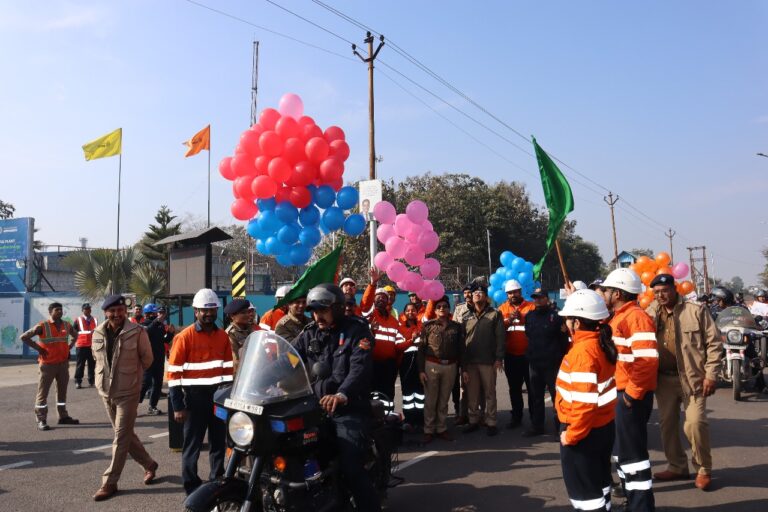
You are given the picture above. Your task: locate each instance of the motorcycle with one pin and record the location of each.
(282, 455)
(745, 345)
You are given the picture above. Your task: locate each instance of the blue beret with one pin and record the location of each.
(663, 279)
(237, 306)
(113, 300)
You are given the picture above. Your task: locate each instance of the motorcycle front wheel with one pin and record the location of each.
(736, 369)
(219, 496)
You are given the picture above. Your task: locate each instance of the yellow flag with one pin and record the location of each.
(108, 145)
(199, 141)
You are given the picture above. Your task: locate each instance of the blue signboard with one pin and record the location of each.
(15, 253)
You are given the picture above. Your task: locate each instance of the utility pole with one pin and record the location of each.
(255, 83)
(611, 201)
(371, 139)
(699, 273)
(671, 234)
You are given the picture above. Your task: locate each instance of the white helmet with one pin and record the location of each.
(512, 285)
(585, 304)
(282, 291)
(580, 285)
(205, 298)
(624, 279)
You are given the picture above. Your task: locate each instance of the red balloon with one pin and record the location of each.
(300, 197)
(263, 187)
(316, 150)
(268, 118)
(287, 127)
(235, 192)
(262, 165)
(293, 150)
(249, 141)
(225, 168)
(311, 131)
(331, 170)
(242, 209)
(243, 188)
(242, 165)
(304, 173)
(305, 120)
(282, 194)
(271, 143)
(337, 184)
(279, 169)
(333, 133)
(340, 150)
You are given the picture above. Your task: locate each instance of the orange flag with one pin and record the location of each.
(199, 141)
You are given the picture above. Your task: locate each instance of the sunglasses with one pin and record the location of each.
(442, 306)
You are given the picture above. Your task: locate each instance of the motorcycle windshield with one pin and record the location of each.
(735, 317)
(270, 370)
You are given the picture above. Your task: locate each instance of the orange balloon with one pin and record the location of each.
(686, 287)
(648, 293)
(647, 277)
(664, 270)
(633, 268)
(645, 302)
(663, 259)
(652, 266)
(642, 261)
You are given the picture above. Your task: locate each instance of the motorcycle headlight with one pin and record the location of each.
(240, 429)
(734, 336)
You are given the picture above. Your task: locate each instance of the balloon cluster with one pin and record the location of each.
(512, 267)
(408, 237)
(649, 267)
(284, 171)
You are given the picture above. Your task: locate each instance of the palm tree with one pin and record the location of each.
(101, 272)
(147, 281)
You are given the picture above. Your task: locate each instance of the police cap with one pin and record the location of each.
(663, 279)
(237, 306)
(113, 300)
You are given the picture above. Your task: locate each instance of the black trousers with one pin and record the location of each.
(84, 356)
(587, 469)
(413, 391)
(352, 444)
(542, 376)
(516, 370)
(153, 381)
(384, 377)
(199, 403)
(634, 465)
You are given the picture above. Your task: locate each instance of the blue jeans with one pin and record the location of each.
(353, 445)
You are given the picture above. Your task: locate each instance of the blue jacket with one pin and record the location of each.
(547, 343)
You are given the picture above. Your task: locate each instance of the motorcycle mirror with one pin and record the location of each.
(321, 370)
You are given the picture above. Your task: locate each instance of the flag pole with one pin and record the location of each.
(119, 181)
(209, 176)
(562, 263)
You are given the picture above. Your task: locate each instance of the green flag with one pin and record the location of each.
(559, 198)
(324, 270)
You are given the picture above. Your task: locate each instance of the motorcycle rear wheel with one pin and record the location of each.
(736, 380)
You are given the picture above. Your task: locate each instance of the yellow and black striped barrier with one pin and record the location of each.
(238, 279)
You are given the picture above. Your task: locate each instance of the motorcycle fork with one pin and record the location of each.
(253, 486)
(232, 464)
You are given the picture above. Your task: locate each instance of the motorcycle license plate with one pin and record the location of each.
(243, 406)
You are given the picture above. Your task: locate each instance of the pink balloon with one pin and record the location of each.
(414, 256)
(225, 168)
(438, 290)
(427, 226)
(383, 260)
(430, 268)
(412, 281)
(396, 271)
(268, 118)
(402, 225)
(429, 242)
(384, 212)
(680, 270)
(291, 105)
(242, 209)
(385, 232)
(417, 211)
(396, 247)
(413, 234)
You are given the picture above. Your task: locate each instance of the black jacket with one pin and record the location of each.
(157, 338)
(547, 343)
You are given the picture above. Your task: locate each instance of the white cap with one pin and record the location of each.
(580, 285)
(585, 304)
(282, 291)
(205, 298)
(381, 290)
(347, 280)
(512, 285)
(624, 279)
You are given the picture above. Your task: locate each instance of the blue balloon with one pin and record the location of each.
(525, 277)
(275, 246)
(324, 229)
(269, 222)
(300, 254)
(310, 236)
(333, 218)
(496, 281)
(266, 204)
(499, 296)
(284, 259)
(261, 247)
(517, 264)
(510, 274)
(288, 234)
(354, 225)
(506, 258)
(253, 228)
(313, 190)
(528, 267)
(309, 216)
(286, 212)
(492, 290)
(325, 196)
(347, 198)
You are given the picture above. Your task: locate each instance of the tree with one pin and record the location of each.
(736, 284)
(642, 252)
(100, 272)
(147, 281)
(6, 210)
(764, 274)
(164, 228)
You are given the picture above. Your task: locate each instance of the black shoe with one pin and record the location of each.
(41, 425)
(90, 383)
(78, 385)
(617, 491)
(472, 427)
(69, 420)
(492, 431)
(514, 423)
(533, 432)
(154, 411)
(163, 395)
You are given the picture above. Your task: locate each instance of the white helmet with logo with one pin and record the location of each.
(205, 298)
(512, 285)
(585, 304)
(624, 279)
(282, 291)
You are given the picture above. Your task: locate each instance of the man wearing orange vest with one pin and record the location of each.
(387, 337)
(634, 334)
(515, 360)
(84, 325)
(269, 321)
(53, 346)
(200, 361)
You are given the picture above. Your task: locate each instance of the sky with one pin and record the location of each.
(662, 103)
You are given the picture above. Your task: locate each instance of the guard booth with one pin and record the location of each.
(189, 269)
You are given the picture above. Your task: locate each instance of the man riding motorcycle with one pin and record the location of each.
(343, 345)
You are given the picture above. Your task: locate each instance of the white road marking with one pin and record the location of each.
(414, 460)
(155, 436)
(16, 465)
(94, 449)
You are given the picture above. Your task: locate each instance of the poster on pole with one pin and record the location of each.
(15, 253)
(370, 195)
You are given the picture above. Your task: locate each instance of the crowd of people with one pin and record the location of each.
(602, 359)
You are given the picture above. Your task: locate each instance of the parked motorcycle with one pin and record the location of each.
(283, 456)
(745, 345)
